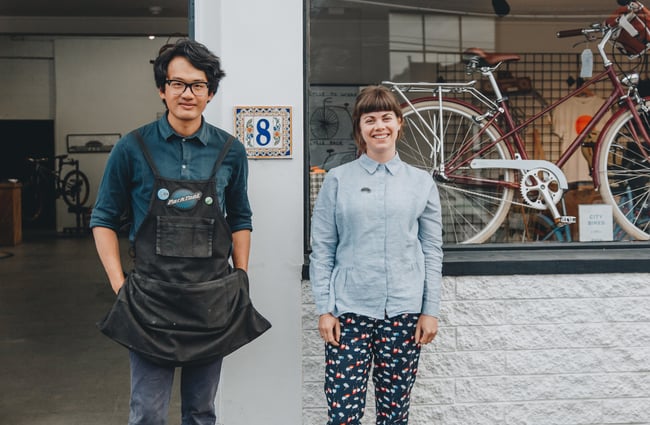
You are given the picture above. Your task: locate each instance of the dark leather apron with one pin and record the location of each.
(183, 304)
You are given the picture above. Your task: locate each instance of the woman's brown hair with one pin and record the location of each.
(373, 99)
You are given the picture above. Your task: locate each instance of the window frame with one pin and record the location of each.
(546, 258)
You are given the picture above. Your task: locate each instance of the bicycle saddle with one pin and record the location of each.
(490, 59)
(41, 160)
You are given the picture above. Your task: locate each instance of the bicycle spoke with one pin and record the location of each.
(413, 153)
(474, 201)
(625, 177)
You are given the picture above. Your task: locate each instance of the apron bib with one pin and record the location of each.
(183, 304)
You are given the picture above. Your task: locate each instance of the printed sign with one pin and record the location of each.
(596, 223)
(331, 142)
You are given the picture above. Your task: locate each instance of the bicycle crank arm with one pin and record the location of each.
(523, 165)
(559, 219)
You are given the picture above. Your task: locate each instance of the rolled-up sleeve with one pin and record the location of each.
(113, 193)
(238, 210)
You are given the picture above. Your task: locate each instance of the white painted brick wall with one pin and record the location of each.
(522, 350)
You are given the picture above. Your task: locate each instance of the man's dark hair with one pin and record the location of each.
(197, 54)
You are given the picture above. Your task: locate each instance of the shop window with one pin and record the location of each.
(362, 44)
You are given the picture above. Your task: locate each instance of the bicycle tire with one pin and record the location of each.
(473, 207)
(324, 123)
(75, 182)
(625, 175)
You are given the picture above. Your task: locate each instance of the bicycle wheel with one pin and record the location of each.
(475, 202)
(625, 175)
(324, 123)
(75, 183)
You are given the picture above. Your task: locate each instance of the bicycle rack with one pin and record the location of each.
(81, 212)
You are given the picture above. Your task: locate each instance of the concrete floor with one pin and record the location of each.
(56, 368)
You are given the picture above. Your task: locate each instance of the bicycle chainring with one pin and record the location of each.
(534, 182)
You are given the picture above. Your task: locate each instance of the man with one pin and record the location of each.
(185, 184)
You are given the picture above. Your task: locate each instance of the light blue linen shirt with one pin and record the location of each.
(377, 241)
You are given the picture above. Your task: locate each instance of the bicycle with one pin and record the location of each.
(74, 187)
(478, 158)
(324, 122)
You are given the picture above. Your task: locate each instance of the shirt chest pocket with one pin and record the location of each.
(361, 203)
(187, 237)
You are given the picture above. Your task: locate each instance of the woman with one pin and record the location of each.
(375, 267)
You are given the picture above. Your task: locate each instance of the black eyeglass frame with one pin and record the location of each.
(190, 85)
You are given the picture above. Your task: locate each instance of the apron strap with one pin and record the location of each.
(146, 153)
(222, 155)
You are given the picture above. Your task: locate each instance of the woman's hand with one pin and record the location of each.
(329, 328)
(426, 329)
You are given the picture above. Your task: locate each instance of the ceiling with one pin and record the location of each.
(171, 16)
(95, 8)
(94, 17)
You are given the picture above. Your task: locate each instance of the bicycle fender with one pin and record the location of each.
(605, 132)
(523, 165)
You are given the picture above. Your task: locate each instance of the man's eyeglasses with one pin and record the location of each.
(177, 87)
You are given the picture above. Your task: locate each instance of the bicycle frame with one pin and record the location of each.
(498, 109)
(475, 148)
(61, 161)
(72, 186)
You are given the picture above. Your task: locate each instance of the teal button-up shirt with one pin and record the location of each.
(128, 180)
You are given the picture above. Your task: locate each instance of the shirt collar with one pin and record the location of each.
(169, 134)
(370, 165)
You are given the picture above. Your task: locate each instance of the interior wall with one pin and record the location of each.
(26, 72)
(343, 51)
(27, 113)
(103, 85)
(339, 44)
(539, 35)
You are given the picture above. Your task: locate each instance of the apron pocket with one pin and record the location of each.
(197, 307)
(188, 237)
(181, 324)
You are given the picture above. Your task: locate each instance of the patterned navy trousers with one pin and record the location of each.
(388, 345)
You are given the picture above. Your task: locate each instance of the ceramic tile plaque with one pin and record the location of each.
(265, 131)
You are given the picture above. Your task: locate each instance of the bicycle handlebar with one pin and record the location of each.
(595, 28)
(570, 33)
(59, 159)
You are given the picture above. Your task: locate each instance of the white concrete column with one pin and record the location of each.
(260, 44)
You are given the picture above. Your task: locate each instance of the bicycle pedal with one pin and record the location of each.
(566, 219)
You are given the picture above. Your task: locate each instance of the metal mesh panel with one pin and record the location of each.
(542, 77)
